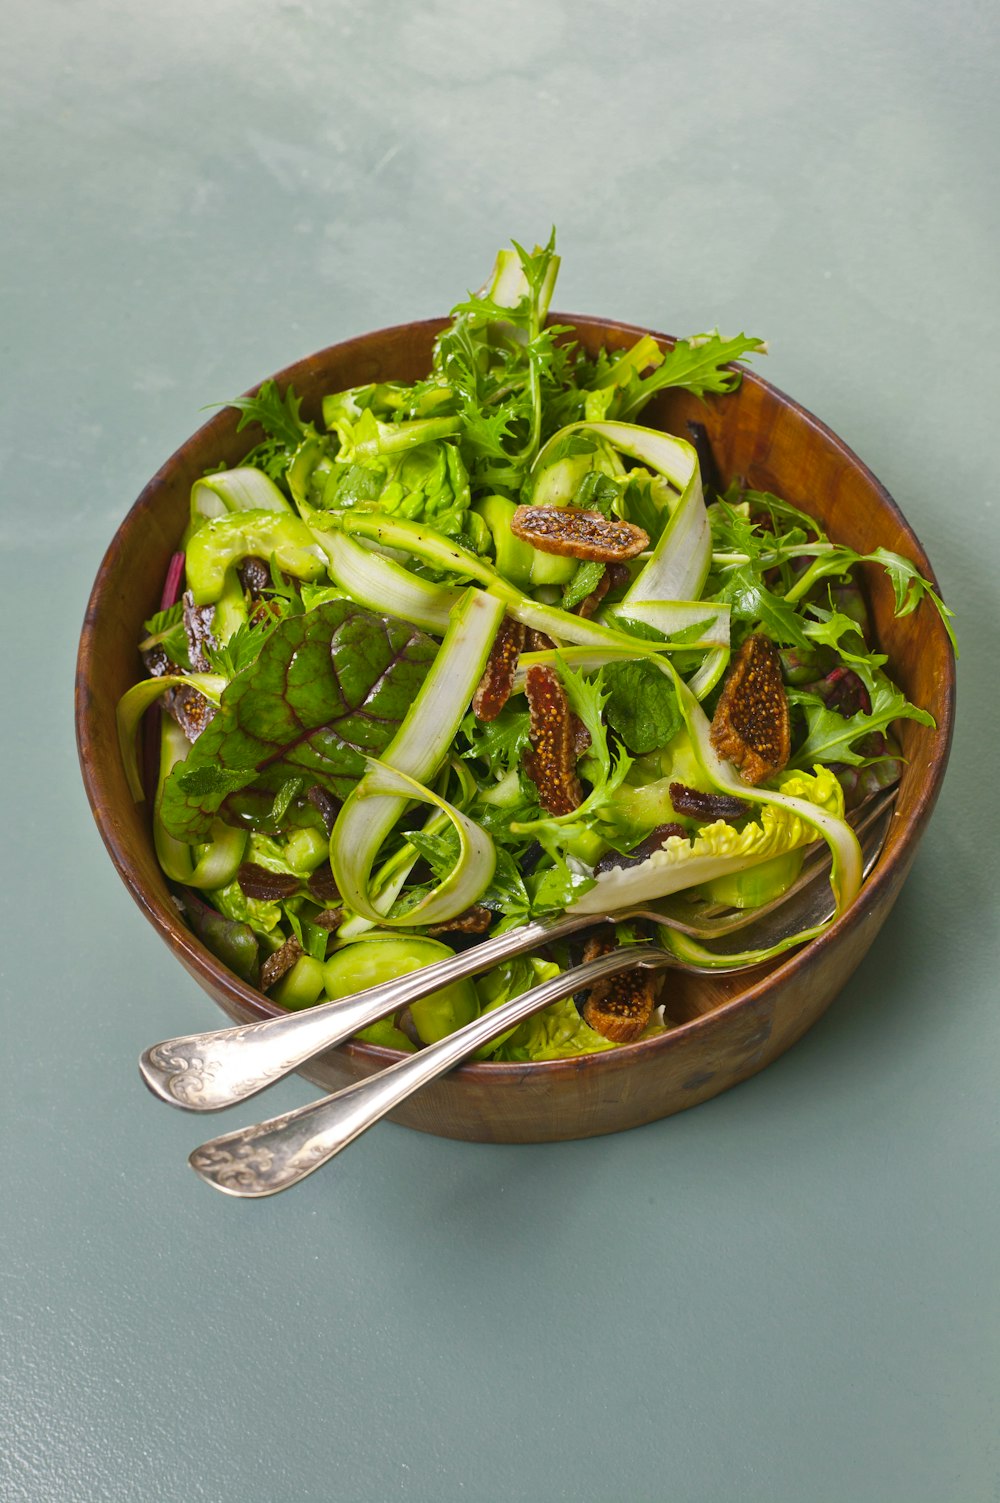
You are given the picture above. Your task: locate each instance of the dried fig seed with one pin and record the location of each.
(498, 678)
(551, 763)
(280, 963)
(751, 725)
(574, 533)
(699, 805)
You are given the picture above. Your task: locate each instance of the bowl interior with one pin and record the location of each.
(756, 433)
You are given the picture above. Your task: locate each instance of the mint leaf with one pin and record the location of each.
(164, 621)
(586, 579)
(555, 889)
(507, 891)
(290, 789)
(209, 782)
(642, 705)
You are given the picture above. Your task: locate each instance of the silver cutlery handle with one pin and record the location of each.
(204, 1072)
(272, 1156)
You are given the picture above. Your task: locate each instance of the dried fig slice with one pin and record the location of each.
(323, 801)
(280, 963)
(574, 533)
(498, 677)
(579, 733)
(751, 724)
(255, 576)
(190, 709)
(265, 885)
(654, 841)
(329, 918)
(198, 621)
(551, 762)
(322, 886)
(619, 1007)
(697, 804)
(475, 920)
(188, 706)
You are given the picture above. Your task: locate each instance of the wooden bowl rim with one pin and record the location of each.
(202, 963)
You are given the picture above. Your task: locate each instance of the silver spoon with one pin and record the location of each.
(274, 1155)
(204, 1072)
(271, 1156)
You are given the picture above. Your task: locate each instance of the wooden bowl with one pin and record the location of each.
(729, 1028)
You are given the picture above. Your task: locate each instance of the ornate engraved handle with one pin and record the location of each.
(274, 1155)
(203, 1072)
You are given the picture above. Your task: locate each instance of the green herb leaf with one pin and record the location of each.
(290, 789)
(832, 737)
(586, 579)
(699, 364)
(277, 415)
(439, 851)
(500, 742)
(507, 891)
(642, 705)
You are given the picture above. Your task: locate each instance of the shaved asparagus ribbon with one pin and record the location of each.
(216, 863)
(383, 585)
(679, 566)
(136, 701)
(444, 553)
(414, 756)
(681, 559)
(242, 489)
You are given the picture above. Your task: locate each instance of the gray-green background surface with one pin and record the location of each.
(788, 1294)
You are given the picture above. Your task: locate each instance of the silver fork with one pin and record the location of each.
(205, 1072)
(274, 1155)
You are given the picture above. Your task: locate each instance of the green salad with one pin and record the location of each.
(484, 648)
